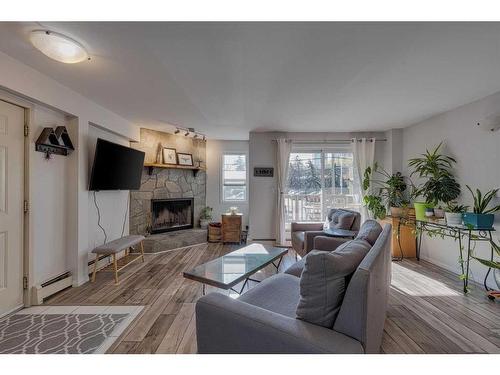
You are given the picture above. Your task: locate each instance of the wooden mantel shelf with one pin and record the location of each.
(150, 167)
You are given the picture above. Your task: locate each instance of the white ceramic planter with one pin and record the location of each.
(453, 218)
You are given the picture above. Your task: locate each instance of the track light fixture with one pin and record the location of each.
(190, 131)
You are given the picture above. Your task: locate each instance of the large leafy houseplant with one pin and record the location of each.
(385, 190)
(439, 183)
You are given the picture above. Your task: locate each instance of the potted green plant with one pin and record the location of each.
(440, 184)
(482, 216)
(205, 216)
(454, 213)
(386, 191)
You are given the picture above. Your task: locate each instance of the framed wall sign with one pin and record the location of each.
(184, 159)
(169, 156)
(263, 172)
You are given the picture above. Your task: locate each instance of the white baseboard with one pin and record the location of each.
(40, 292)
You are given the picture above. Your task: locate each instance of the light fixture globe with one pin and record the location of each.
(58, 47)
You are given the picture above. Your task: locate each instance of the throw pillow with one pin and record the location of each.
(342, 220)
(370, 230)
(324, 280)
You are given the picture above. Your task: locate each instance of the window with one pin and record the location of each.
(319, 180)
(234, 177)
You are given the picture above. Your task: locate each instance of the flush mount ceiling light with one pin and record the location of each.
(58, 47)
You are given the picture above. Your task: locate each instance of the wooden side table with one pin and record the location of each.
(231, 228)
(405, 246)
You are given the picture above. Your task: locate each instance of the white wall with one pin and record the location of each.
(478, 157)
(392, 158)
(262, 151)
(215, 150)
(35, 87)
(50, 201)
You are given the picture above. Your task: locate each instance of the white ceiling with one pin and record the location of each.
(227, 79)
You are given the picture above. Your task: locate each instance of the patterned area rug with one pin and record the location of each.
(56, 333)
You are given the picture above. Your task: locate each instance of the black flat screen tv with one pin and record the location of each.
(116, 167)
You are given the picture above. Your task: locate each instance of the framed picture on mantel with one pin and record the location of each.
(185, 159)
(169, 156)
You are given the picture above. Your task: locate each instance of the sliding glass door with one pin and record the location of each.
(320, 179)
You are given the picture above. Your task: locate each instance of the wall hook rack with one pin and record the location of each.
(54, 141)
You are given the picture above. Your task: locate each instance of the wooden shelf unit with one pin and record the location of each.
(150, 167)
(231, 228)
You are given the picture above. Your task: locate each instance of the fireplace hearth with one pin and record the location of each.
(172, 214)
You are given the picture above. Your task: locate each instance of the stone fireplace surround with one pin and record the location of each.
(164, 183)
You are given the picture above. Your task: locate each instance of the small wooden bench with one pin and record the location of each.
(114, 247)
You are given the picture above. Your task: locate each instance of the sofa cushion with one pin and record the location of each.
(324, 280)
(370, 230)
(279, 293)
(296, 268)
(356, 245)
(353, 245)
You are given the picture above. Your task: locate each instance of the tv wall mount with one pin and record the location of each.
(54, 141)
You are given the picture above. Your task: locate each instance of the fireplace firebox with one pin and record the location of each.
(172, 214)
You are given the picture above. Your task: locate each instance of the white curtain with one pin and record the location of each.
(282, 162)
(363, 152)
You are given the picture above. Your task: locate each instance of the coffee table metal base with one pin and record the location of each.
(277, 266)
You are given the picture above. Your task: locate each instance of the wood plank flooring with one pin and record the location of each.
(427, 312)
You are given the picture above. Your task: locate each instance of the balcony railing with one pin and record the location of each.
(308, 207)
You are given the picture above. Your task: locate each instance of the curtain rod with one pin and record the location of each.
(333, 141)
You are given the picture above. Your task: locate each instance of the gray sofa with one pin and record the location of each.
(303, 234)
(263, 320)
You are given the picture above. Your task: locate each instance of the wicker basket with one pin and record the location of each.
(214, 232)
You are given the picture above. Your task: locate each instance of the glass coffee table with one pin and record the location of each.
(237, 266)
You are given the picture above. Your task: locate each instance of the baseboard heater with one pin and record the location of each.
(50, 287)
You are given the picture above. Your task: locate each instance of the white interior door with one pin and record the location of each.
(11, 206)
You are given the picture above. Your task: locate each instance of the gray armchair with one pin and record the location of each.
(263, 320)
(303, 234)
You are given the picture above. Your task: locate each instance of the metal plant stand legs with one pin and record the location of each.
(458, 233)
(489, 269)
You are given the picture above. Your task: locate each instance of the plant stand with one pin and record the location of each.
(462, 234)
